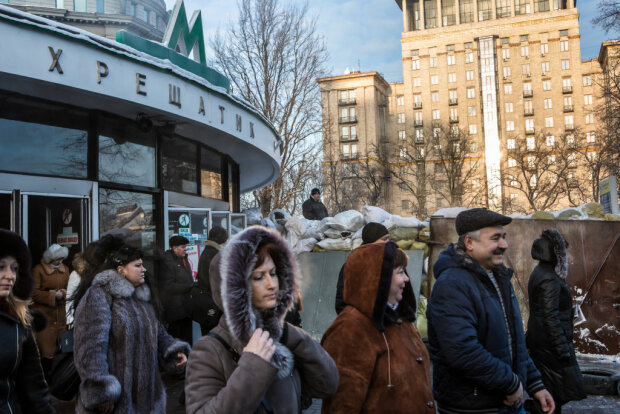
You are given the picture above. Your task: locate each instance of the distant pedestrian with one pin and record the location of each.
(475, 332)
(383, 363)
(550, 326)
(313, 208)
(79, 266)
(254, 361)
(176, 281)
(371, 233)
(204, 311)
(22, 384)
(118, 338)
(51, 277)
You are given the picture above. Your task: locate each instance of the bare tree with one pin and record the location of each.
(541, 169)
(272, 56)
(609, 16)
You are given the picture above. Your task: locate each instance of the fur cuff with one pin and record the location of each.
(106, 390)
(170, 361)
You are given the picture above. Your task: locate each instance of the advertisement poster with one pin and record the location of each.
(193, 256)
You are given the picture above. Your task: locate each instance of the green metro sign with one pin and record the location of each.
(180, 39)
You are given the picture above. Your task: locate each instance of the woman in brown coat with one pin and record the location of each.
(382, 361)
(50, 292)
(254, 361)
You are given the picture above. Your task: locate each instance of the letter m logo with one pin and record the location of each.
(184, 38)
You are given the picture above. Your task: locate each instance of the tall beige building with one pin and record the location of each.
(496, 74)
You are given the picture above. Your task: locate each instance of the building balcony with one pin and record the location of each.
(419, 140)
(568, 108)
(349, 156)
(347, 101)
(417, 105)
(569, 127)
(348, 138)
(418, 123)
(528, 112)
(530, 131)
(528, 93)
(453, 101)
(347, 119)
(567, 89)
(454, 119)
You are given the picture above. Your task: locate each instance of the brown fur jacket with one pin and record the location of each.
(382, 361)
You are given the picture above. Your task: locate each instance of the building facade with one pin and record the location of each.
(504, 80)
(145, 18)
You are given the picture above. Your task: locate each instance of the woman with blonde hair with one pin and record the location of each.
(22, 385)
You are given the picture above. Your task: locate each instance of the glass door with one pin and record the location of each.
(5, 211)
(53, 219)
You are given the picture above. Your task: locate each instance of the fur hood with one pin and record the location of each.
(551, 248)
(238, 259)
(116, 285)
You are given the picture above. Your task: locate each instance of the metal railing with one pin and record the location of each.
(347, 119)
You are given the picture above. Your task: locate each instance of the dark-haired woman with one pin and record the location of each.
(254, 361)
(22, 386)
(118, 337)
(383, 363)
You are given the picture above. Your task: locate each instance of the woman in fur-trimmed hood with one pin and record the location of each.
(383, 363)
(550, 326)
(118, 338)
(254, 361)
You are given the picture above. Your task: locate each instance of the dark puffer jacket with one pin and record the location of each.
(176, 281)
(21, 376)
(469, 342)
(550, 327)
(314, 210)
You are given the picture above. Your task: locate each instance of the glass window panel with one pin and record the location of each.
(466, 10)
(210, 174)
(126, 155)
(130, 215)
(40, 139)
(179, 169)
(79, 5)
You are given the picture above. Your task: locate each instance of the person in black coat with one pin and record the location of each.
(204, 310)
(22, 385)
(313, 208)
(550, 326)
(175, 284)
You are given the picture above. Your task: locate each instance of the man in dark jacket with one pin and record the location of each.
(176, 282)
(477, 344)
(205, 312)
(313, 208)
(372, 232)
(550, 326)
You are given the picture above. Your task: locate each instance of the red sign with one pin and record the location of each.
(67, 238)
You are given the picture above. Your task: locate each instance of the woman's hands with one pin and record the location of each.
(261, 344)
(181, 359)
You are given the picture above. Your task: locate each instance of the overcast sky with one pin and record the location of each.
(365, 34)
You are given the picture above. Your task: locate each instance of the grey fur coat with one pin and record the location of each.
(118, 340)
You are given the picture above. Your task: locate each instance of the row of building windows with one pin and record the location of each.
(453, 100)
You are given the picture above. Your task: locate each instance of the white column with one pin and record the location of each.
(458, 11)
(494, 9)
(422, 24)
(475, 10)
(439, 14)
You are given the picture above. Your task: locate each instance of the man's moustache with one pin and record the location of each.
(499, 251)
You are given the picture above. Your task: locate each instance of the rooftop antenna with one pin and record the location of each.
(359, 67)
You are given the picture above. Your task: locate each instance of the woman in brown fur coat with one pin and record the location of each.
(382, 361)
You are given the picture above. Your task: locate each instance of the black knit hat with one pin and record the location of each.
(315, 191)
(178, 241)
(478, 218)
(373, 232)
(11, 244)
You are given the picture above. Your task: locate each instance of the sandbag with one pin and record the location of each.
(330, 223)
(403, 233)
(420, 246)
(568, 213)
(542, 215)
(375, 214)
(398, 221)
(357, 234)
(335, 244)
(266, 222)
(404, 244)
(355, 243)
(421, 323)
(305, 245)
(303, 228)
(352, 220)
(253, 215)
(424, 233)
(449, 212)
(336, 234)
(593, 210)
(612, 217)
